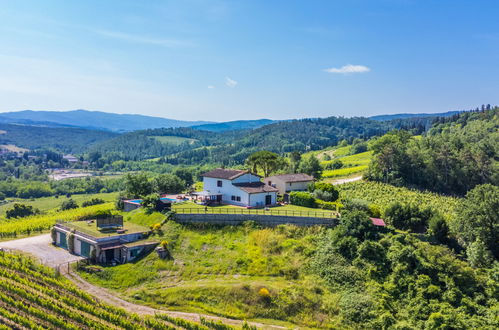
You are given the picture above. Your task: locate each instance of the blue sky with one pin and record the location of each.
(228, 60)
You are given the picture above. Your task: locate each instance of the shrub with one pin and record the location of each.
(301, 198)
(93, 201)
(334, 165)
(68, 205)
(358, 224)
(329, 205)
(264, 294)
(438, 228)
(407, 216)
(21, 211)
(156, 227)
(325, 191)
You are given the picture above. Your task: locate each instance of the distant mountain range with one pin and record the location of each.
(413, 115)
(113, 122)
(120, 123)
(96, 120)
(234, 125)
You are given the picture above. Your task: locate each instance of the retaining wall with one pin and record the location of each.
(263, 220)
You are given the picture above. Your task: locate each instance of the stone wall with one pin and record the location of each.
(263, 220)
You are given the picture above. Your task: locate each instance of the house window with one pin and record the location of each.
(238, 198)
(233, 197)
(219, 183)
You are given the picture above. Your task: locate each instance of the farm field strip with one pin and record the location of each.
(30, 297)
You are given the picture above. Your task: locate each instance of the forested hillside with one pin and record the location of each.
(233, 147)
(68, 140)
(457, 154)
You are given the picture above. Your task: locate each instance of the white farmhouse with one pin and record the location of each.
(286, 183)
(237, 187)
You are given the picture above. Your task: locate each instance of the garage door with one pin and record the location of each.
(62, 240)
(85, 249)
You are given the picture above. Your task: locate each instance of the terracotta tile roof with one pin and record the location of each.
(378, 222)
(255, 187)
(297, 177)
(222, 173)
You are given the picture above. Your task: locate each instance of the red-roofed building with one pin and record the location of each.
(378, 222)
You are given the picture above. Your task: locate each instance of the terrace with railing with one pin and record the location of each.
(269, 211)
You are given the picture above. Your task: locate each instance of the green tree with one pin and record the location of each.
(20, 211)
(138, 185)
(324, 191)
(479, 255)
(479, 218)
(438, 228)
(168, 183)
(294, 161)
(311, 166)
(152, 202)
(268, 162)
(358, 224)
(68, 205)
(184, 174)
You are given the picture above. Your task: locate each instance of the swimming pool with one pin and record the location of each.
(164, 199)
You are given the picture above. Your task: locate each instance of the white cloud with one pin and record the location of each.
(229, 82)
(211, 86)
(349, 68)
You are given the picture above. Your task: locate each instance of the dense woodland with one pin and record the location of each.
(62, 139)
(457, 154)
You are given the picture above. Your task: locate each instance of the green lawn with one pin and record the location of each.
(90, 228)
(289, 210)
(51, 203)
(173, 139)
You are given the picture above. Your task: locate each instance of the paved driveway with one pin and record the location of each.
(42, 248)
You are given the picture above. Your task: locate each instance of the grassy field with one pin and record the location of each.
(50, 203)
(173, 139)
(221, 271)
(13, 148)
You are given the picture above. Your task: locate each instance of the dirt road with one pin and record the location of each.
(341, 181)
(110, 298)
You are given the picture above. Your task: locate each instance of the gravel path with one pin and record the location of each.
(41, 247)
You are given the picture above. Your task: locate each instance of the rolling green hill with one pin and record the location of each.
(64, 139)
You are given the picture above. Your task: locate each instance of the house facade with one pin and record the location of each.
(286, 183)
(237, 187)
(119, 246)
